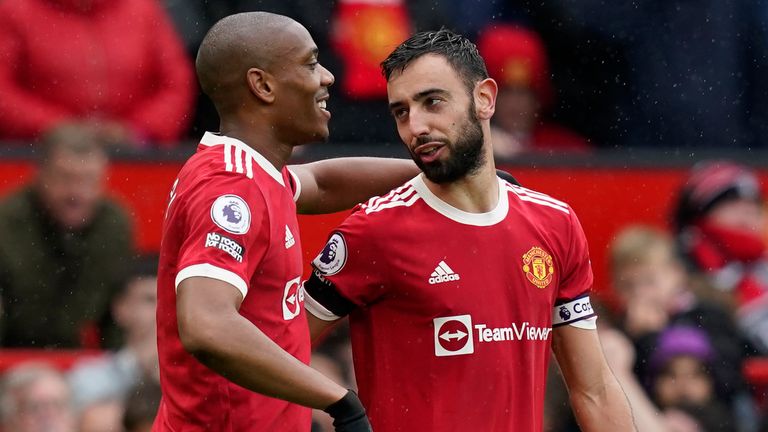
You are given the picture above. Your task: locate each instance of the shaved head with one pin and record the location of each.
(234, 45)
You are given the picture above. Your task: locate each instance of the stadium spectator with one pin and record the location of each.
(116, 63)
(680, 378)
(104, 415)
(35, 398)
(517, 60)
(112, 376)
(65, 249)
(464, 319)
(141, 407)
(231, 326)
(720, 221)
(655, 292)
(648, 418)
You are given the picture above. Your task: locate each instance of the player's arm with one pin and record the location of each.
(211, 329)
(620, 355)
(333, 185)
(318, 327)
(598, 401)
(214, 332)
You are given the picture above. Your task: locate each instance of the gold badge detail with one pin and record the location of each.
(538, 268)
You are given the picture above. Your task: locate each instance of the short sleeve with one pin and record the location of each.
(573, 304)
(348, 272)
(227, 231)
(293, 182)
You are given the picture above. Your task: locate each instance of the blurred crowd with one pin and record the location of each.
(690, 300)
(574, 75)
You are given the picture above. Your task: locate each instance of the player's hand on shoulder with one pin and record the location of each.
(349, 414)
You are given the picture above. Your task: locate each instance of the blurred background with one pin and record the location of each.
(649, 117)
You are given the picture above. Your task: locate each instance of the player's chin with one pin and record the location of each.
(320, 135)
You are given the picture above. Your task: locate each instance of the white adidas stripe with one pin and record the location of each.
(239, 160)
(393, 196)
(539, 201)
(378, 199)
(228, 157)
(249, 167)
(393, 204)
(535, 194)
(445, 267)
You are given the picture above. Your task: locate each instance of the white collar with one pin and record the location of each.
(212, 139)
(478, 219)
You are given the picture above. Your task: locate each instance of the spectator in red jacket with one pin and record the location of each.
(516, 59)
(719, 220)
(117, 63)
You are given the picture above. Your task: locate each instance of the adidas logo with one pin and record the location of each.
(289, 240)
(443, 273)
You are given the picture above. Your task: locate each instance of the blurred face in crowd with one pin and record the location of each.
(436, 118)
(517, 110)
(684, 380)
(71, 186)
(135, 310)
(106, 416)
(656, 280)
(42, 406)
(739, 214)
(302, 89)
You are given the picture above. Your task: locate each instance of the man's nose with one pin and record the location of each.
(327, 79)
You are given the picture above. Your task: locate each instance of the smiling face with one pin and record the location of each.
(301, 92)
(436, 118)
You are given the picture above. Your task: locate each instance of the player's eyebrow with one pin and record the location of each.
(419, 96)
(313, 53)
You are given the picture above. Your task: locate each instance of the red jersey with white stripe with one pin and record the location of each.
(451, 313)
(231, 217)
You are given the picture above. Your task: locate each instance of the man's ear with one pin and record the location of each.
(261, 84)
(485, 98)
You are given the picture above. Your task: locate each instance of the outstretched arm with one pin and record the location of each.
(598, 401)
(333, 185)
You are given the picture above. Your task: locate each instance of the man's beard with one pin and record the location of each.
(466, 154)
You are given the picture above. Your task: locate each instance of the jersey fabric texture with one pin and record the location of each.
(451, 313)
(229, 217)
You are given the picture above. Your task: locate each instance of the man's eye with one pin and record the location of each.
(313, 65)
(400, 113)
(433, 101)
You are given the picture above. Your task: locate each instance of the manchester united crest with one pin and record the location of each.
(538, 267)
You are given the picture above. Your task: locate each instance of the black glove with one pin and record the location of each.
(348, 414)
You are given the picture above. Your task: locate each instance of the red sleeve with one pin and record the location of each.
(577, 268)
(227, 231)
(572, 305)
(347, 273)
(22, 113)
(165, 113)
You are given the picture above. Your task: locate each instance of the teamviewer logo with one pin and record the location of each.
(453, 335)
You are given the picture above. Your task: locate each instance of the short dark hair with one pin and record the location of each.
(72, 137)
(459, 51)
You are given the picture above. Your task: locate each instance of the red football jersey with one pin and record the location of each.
(451, 313)
(232, 217)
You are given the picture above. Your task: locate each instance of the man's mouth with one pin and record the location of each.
(428, 148)
(429, 152)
